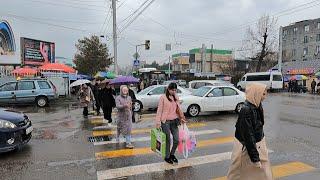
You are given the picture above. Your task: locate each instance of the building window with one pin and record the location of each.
(295, 30)
(318, 37)
(306, 28)
(294, 52)
(304, 60)
(317, 50)
(294, 40)
(305, 40)
(285, 32)
(318, 25)
(305, 51)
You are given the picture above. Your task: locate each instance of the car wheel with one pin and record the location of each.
(137, 106)
(42, 101)
(193, 110)
(239, 107)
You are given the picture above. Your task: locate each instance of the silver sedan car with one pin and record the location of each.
(149, 97)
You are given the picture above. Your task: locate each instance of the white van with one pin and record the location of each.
(273, 80)
(196, 84)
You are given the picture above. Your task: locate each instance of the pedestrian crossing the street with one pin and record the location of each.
(214, 148)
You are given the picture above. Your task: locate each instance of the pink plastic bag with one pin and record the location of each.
(187, 141)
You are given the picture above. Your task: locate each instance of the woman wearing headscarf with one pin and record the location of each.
(86, 97)
(249, 158)
(169, 116)
(124, 124)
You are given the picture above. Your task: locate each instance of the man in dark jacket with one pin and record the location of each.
(108, 102)
(97, 96)
(313, 86)
(133, 98)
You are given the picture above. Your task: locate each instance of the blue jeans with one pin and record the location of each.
(128, 139)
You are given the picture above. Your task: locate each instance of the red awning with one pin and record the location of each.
(24, 71)
(57, 67)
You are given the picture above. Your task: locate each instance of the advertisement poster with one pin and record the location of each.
(36, 52)
(8, 51)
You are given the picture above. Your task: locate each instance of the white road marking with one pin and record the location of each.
(142, 139)
(163, 166)
(158, 167)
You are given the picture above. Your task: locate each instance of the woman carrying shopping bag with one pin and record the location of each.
(249, 158)
(124, 124)
(169, 116)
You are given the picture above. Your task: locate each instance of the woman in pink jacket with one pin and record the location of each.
(169, 116)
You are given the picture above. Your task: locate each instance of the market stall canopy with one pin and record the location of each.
(57, 67)
(299, 77)
(24, 71)
(124, 80)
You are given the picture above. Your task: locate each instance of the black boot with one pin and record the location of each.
(173, 159)
(168, 160)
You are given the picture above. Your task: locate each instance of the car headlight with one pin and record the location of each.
(7, 124)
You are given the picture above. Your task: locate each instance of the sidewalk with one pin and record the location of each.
(289, 94)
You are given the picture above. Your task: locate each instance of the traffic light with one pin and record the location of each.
(147, 44)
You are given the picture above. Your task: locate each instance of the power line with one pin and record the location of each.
(105, 20)
(128, 17)
(65, 5)
(126, 26)
(60, 20)
(41, 22)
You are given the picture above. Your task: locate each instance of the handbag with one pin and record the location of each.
(158, 142)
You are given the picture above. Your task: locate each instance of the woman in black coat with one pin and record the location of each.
(108, 102)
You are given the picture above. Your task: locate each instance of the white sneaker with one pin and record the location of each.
(104, 121)
(129, 146)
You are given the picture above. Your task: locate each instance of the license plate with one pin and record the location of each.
(29, 130)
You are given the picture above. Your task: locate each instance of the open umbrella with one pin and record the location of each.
(124, 80)
(57, 67)
(79, 82)
(102, 74)
(24, 71)
(299, 77)
(317, 74)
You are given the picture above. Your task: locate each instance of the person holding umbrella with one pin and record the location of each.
(85, 97)
(107, 101)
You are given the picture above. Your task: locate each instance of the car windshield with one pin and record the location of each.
(201, 91)
(145, 91)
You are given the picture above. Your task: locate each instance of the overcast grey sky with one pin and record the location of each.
(184, 23)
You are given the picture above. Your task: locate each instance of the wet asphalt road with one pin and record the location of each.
(60, 149)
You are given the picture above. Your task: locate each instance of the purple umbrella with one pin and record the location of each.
(124, 80)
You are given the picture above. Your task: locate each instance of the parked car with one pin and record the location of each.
(213, 98)
(38, 91)
(193, 85)
(149, 97)
(273, 80)
(15, 130)
(180, 82)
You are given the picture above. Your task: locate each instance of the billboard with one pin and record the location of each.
(36, 52)
(8, 50)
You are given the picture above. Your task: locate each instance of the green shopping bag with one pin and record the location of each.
(158, 142)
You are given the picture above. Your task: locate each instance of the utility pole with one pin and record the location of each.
(115, 41)
(203, 58)
(211, 59)
(169, 73)
(280, 50)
